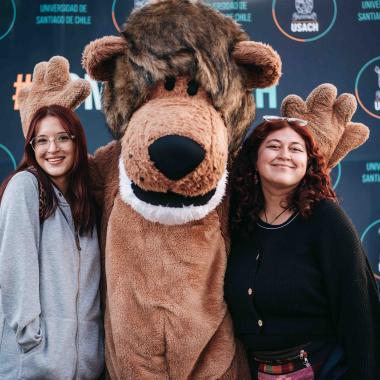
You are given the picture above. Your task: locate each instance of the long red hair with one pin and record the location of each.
(247, 199)
(78, 193)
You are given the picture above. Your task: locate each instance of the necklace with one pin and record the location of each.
(266, 218)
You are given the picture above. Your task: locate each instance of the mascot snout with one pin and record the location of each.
(174, 155)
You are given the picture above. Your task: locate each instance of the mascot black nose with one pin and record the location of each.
(176, 156)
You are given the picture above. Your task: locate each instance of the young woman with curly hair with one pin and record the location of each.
(302, 296)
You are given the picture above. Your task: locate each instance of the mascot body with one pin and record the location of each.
(179, 103)
(177, 98)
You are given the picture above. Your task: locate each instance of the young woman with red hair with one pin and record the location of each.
(301, 293)
(50, 319)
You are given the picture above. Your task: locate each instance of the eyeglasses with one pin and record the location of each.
(61, 140)
(291, 120)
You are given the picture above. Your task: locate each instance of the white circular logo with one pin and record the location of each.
(371, 242)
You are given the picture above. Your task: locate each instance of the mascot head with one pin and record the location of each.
(177, 92)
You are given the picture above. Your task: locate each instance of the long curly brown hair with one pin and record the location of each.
(247, 199)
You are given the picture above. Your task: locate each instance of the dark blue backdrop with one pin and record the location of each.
(336, 41)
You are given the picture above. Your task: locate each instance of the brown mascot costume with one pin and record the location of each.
(178, 103)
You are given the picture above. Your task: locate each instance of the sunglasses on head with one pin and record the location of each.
(291, 120)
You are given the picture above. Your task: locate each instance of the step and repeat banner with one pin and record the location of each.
(334, 41)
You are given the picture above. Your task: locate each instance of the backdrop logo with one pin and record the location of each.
(371, 242)
(367, 87)
(310, 21)
(268, 94)
(5, 169)
(18, 85)
(336, 175)
(304, 19)
(239, 10)
(121, 10)
(377, 95)
(8, 17)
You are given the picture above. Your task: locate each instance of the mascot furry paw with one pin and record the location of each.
(51, 85)
(329, 119)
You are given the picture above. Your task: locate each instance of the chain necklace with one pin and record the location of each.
(266, 219)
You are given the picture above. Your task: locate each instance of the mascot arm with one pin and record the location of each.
(329, 120)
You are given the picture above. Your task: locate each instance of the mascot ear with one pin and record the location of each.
(260, 61)
(99, 56)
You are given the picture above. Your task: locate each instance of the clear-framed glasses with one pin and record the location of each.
(61, 140)
(291, 120)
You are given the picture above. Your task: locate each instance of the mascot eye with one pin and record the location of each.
(169, 83)
(192, 87)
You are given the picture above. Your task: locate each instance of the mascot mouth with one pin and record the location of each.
(169, 208)
(170, 199)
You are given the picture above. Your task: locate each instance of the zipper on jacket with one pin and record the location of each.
(77, 242)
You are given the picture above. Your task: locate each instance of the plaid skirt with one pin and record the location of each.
(311, 361)
(302, 374)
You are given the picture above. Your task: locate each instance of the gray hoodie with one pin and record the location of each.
(50, 321)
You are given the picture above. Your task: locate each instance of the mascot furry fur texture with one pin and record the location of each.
(168, 85)
(178, 104)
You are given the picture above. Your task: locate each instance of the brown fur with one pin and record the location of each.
(174, 38)
(96, 56)
(177, 293)
(176, 113)
(165, 315)
(51, 85)
(168, 291)
(329, 120)
(267, 68)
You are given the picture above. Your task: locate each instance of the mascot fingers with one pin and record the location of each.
(322, 97)
(293, 106)
(39, 72)
(57, 71)
(51, 84)
(355, 134)
(345, 106)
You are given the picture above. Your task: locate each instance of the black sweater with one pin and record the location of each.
(306, 279)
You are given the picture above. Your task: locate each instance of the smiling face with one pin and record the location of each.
(56, 156)
(282, 160)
